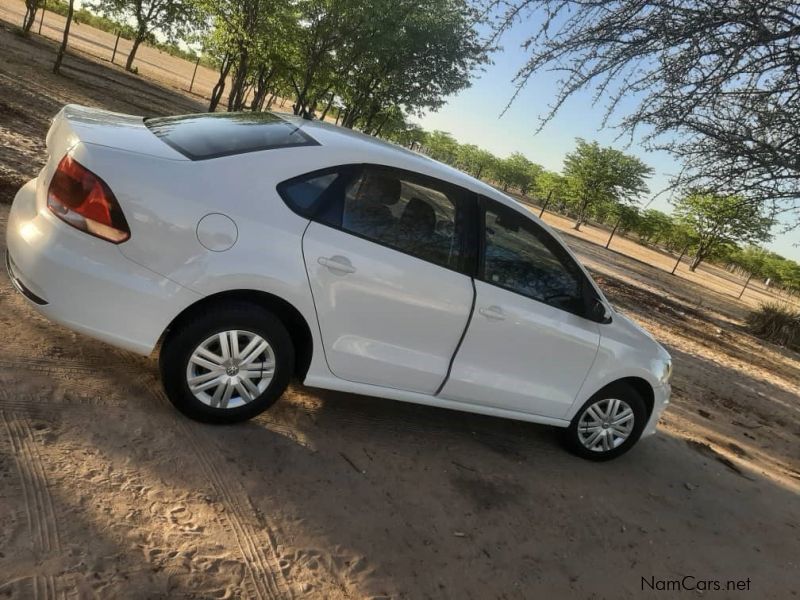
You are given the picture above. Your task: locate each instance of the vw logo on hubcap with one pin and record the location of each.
(232, 370)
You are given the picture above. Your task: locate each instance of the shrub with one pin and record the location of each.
(778, 323)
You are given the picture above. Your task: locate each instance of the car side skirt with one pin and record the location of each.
(339, 385)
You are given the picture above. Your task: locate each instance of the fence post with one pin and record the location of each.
(191, 85)
(749, 277)
(41, 18)
(116, 43)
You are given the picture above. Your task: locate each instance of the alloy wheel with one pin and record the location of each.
(230, 368)
(605, 424)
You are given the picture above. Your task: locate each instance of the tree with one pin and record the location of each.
(442, 146)
(170, 18)
(553, 187)
(31, 6)
(626, 217)
(516, 171)
(683, 237)
(474, 160)
(716, 82)
(598, 175)
(653, 226)
(393, 59)
(753, 260)
(719, 220)
(65, 38)
(410, 135)
(248, 41)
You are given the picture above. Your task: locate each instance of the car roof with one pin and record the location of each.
(375, 150)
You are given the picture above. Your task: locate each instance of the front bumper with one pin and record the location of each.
(86, 283)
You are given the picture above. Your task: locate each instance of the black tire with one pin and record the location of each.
(185, 337)
(619, 391)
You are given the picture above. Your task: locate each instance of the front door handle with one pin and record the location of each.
(493, 313)
(337, 264)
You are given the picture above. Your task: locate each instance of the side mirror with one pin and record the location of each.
(599, 312)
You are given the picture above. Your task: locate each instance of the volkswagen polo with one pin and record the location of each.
(253, 248)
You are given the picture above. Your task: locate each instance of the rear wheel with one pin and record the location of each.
(228, 364)
(608, 424)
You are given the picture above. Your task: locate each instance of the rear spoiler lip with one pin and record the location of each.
(75, 124)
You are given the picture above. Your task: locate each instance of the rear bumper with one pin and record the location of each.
(86, 283)
(661, 396)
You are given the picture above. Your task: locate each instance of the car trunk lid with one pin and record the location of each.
(76, 123)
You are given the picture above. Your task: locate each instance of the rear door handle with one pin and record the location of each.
(337, 264)
(494, 313)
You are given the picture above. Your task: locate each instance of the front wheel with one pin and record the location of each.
(228, 364)
(608, 424)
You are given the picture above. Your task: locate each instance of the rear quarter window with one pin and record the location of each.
(205, 136)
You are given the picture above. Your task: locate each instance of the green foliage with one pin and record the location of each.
(781, 272)
(369, 57)
(778, 323)
(442, 146)
(720, 221)
(653, 226)
(475, 160)
(598, 176)
(516, 171)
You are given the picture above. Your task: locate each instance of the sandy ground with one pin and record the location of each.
(105, 491)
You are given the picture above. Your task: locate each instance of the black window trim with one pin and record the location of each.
(588, 295)
(467, 245)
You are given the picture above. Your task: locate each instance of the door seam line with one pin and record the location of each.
(313, 300)
(460, 340)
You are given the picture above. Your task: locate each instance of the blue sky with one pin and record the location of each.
(473, 116)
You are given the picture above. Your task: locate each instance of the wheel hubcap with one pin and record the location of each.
(230, 369)
(605, 424)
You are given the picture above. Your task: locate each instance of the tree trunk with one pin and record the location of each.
(579, 221)
(63, 48)
(680, 258)
(219, 87)
(380, 127)
(327, 107)
(546, 202)
(613, 231)
(31, 6)
(137, 40)
(698, 258)
(237, 94)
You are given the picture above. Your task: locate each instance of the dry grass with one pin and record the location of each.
(778, 323)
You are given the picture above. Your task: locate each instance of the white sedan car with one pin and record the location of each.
(256, 247)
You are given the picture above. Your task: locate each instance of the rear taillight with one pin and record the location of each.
(82, 199)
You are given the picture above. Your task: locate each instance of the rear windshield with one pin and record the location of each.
(205, 136)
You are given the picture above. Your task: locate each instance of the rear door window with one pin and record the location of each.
(416, 215)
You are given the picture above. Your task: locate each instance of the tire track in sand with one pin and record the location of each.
(39, 509)
(263, 569)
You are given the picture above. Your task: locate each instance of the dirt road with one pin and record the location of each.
(105, 491)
